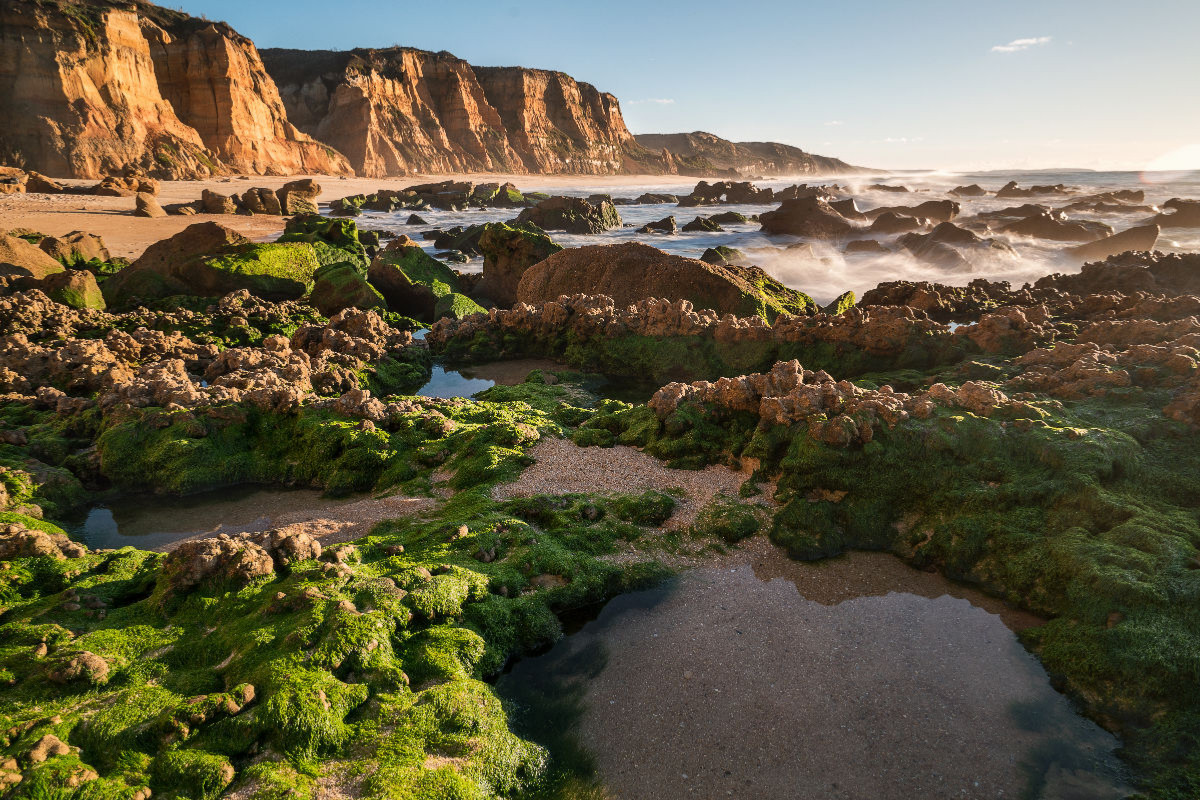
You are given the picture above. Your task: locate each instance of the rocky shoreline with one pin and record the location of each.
(1038, 442)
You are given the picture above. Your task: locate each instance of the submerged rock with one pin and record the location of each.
(806, 216)
(1141, 237)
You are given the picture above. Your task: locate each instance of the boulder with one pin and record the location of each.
(650, 198)
(145, 205)
(1182, 214)
(847, 208)
(1142, 237)
(233, 561)
(974, 190)
(507, 253)
(1011, 189)
(17, 541)
(84, 667)
(340, 285)
(723, 256)
(37, 183)
(411, 280)
(806, 216)
(943, 246)
(1049, 225)
(891, 222)
(74, 288)
(299, 197)
(935, 210)
(333, 240)
(19, 258)
(633, 271)
(572, 214)
(183, 209)
(210, 260)
(729, 218)
(12, 180)
(865, 246)
(75, 248)
(413, 219)
(261, 201)
(701, 225)
(664, 225)
(215, 203)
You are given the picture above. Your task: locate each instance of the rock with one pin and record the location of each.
(891, 222)
(81, 667)
(47, 747)
(935, 210)
(847, 208)
(1011, 189)
(700, 224)
(74, 288)
(572, 214)
(942, 246)
(413, 219)
(299, 197)
(883, 187)
(233, 560)
(806, 216)
(340, 285)
(865, 246)
(651, 198)
(974, 190)
(1057, 228)
(75, 248)
(215, 203)
(633, 271)
(729, 218)
(1141, 237)
(19, 258)
(146, 206)
(732, 192)
(209, 260)
(507, 253)
(665, 225)
(723, 256)
(1182, 214)
(412, 281)
(36, 183)
(261, 201)
(183, 209)
(17, 541)
(840, 304)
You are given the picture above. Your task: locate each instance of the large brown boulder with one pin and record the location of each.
(935, 210)
(17, 541)
(224, 560)
(75, 247)
(216, 203)
(1179, 213)
(1056, 227)
(145, 205)
(810, 217)
(633, 271)
(299, 197)
(572, 214)
(19, 258)
(1142, 237)
(74, 288)
(261, 201)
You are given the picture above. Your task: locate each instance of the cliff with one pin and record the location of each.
(96, 87)
(400, 111)
(701, 152)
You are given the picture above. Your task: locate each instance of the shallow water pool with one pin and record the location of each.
(858, 678)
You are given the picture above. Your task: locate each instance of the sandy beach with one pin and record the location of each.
(127, 236)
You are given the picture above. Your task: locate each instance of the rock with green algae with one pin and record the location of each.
(19, 258)
(210, 260)
(340, 285)
(334, 240)
(508, 251)
(413, 282)
(74, 288)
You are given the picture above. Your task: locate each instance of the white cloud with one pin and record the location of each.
(834, 122)
(1017, 45)
(903, 139)
(661, 101)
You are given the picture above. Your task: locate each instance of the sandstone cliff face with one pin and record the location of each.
(399, 111)
(95, 87)
(80, 98)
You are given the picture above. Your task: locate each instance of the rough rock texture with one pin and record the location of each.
(806, 216)
(508, 253)
(19, 258)
(100, 87)
(398, 111)
(234, 560)
(1141, 237)
(572, 214)
(74, 247)
(634, 271)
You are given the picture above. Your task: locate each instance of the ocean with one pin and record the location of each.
(825, 271)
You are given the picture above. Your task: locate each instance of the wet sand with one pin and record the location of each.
(127, 236)
(771, 679)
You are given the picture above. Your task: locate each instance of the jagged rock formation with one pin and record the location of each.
(102, 86)
(701, 153)
(400, 110)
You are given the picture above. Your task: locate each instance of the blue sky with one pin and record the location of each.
(919, 84)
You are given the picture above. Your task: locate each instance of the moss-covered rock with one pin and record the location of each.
(334, 240)
(507, 252)
(412, 281)
(340, 285)
(572, 214)
(74, 288)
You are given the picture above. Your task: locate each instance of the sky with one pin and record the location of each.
(895, 84)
